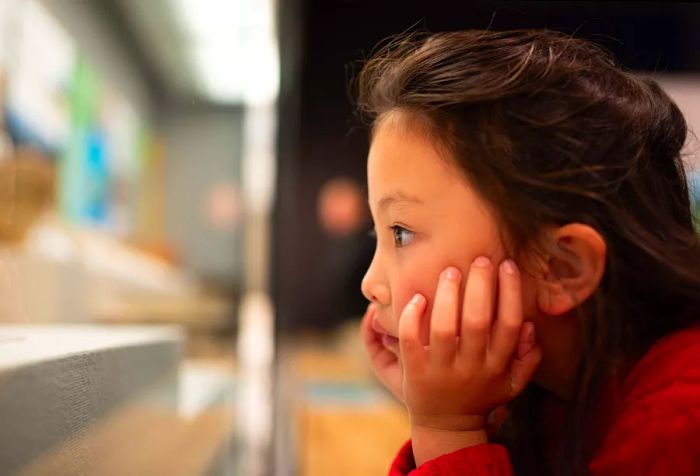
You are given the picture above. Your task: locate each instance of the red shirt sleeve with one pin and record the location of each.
(654, 438)
(658, 430)
(479, 460)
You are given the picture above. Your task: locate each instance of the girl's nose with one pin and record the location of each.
(374, 285)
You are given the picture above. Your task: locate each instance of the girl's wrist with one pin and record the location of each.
(457, 423)
(429, 442)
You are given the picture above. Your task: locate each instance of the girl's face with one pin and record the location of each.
(427, 217)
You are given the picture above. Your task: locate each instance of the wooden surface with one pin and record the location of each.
(346, 424)
(350, 441)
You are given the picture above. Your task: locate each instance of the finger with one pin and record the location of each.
(526, 340)
(372, 340)
(506, 329)
(445, 317)
(379, 356)
(477, 311)
(524, 365)
(410, 345)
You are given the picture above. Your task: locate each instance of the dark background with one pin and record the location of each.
(323, 43)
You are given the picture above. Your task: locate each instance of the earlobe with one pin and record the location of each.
(573, 269)
(554, 300)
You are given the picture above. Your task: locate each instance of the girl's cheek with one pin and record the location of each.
(427, 288)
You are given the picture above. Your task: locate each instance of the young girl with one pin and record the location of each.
(535, 290)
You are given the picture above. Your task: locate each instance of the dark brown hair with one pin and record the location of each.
(551, 131)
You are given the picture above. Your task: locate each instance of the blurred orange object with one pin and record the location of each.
(27, 190)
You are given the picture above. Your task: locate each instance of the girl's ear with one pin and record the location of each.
(572, 270)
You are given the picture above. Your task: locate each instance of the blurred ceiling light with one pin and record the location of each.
(232, 47)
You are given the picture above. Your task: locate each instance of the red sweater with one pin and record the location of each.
(653, 430)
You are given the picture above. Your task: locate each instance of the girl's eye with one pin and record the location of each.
(402, 236)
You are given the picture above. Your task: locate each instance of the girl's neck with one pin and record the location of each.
(560, 354)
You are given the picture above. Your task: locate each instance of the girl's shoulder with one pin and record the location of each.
(655, 431)
(668, 372)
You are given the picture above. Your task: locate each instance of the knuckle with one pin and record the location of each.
(443, 333)
(511, 327)
(495, 368)
(476, 323)
(408, 343)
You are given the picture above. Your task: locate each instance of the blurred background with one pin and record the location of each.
(183, 224)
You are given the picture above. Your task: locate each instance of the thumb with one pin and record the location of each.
(526, 341)
(527, 358)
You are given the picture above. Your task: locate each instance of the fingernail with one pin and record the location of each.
(529, 336)
(509, 266)
(451, 273)
(482, 262)
(417, 299)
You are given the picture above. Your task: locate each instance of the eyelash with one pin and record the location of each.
(399, 229)
(394, 228)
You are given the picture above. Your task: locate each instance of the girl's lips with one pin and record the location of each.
(389, 341)
(378, 328)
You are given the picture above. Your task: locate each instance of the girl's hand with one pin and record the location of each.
(472, 364)
(385, 363)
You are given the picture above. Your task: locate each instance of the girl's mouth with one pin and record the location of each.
(390, 342)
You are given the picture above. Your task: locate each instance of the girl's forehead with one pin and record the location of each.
(403, 158)
(401, 152)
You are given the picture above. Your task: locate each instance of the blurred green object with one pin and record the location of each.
(694, 189)
(73, 172)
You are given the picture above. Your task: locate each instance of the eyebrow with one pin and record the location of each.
(397, 197)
